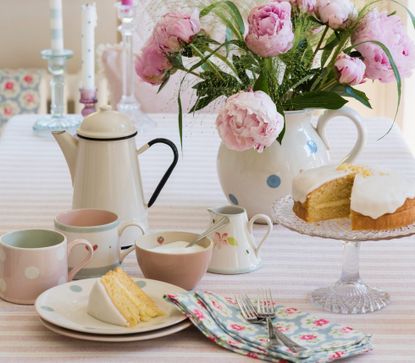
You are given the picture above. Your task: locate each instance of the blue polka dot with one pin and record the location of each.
(274, 181)
(312, 146)
(47, 308)
(233, 199)
(75, 288)
(140, 284)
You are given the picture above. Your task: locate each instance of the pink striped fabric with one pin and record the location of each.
(35, 186)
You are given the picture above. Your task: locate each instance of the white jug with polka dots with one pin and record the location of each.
(256, 180)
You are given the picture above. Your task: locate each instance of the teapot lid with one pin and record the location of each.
(106, 124)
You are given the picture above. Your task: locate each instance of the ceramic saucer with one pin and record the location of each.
(65, 306)
(117, 338)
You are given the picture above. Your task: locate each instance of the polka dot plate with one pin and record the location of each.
(65, 306)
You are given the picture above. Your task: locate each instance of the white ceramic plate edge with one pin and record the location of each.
(117, 338)
(73, 327)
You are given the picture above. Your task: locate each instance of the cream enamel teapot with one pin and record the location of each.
(104, 167)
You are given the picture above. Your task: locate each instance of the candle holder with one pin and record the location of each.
(128, 103)
(57, 120)
(89, 99)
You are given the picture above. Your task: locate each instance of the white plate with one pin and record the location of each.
(66, 306)
(117, 338)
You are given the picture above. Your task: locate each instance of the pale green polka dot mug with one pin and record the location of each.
(34, 260)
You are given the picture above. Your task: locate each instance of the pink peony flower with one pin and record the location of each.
(249, 120)
(270, 29)
(350, 70)
(336, 13)
(174, 29)
(152, 64)
(390, 31)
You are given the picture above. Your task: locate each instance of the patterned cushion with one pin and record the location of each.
(19, 92)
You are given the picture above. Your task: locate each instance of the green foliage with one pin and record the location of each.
(304, 77)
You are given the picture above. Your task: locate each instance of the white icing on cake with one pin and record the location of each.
(379, 194)
(311, 179)
(101, 307)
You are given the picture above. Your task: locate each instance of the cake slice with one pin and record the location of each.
(116, 299)
(324, 193)
(374, 200)
(381, 202)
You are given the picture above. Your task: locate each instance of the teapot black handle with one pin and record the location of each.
(167, 174)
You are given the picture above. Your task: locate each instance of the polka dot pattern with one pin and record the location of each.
(32, 272)
(75, 288)
(274, 181)
(233, 199)
(312, 146)
(3, 286)
(47, 308)
(140, 284)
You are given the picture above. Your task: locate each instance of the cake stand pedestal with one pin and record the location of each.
(349, 295)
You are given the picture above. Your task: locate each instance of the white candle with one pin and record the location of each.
(56, 25)
(89, 22)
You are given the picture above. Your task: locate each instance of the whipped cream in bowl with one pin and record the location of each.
(164, 256)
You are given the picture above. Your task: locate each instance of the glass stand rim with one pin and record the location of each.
(349, 295)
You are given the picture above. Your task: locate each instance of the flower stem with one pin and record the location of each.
(326, 29)
(212, 66)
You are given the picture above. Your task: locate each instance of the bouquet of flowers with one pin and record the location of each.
(287, 55)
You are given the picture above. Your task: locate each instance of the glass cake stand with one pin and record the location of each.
(349, 295)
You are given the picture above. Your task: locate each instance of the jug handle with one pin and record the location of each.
(352, 115)
(167, 174)
(126, 250)
(270, 225)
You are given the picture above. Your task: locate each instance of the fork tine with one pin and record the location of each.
(242, 307)
(249, 305)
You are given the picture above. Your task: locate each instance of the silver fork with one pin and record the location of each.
(266, 310)
(247, 310)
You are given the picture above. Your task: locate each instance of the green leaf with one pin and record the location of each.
(318, 99)
(332, 42)
(395, 72)
(232, 241)
(357, 95)
(165, 81)
(180, 116)
(282, 134)
(234, 21)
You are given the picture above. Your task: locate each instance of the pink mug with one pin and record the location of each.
(34, 260)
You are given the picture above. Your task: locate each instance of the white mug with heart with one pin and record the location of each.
(103, 230)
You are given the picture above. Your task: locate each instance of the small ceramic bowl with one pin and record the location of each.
(184, 270)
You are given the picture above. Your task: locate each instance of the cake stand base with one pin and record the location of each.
(352, 298)
(50, 123)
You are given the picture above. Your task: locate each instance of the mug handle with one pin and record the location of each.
(167, 174)
(267, 233)
(76, 242)
(352, 115)
(128, 249)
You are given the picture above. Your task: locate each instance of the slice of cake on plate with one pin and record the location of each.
(373, 199)
(116, 299)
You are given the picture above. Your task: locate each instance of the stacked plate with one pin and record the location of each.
(63, 310)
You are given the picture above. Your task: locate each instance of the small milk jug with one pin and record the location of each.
(235, 250)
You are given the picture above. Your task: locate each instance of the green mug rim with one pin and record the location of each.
(51, 231)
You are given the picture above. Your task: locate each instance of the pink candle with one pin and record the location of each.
(127, 2)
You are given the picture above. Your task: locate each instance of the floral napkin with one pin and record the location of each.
(219, 319)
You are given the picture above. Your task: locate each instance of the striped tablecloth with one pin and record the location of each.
(35, 186)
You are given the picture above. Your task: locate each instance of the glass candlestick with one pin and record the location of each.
(89, 99)
(57, 120)
(128, 103)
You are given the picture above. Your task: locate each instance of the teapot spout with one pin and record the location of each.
(69, 147)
